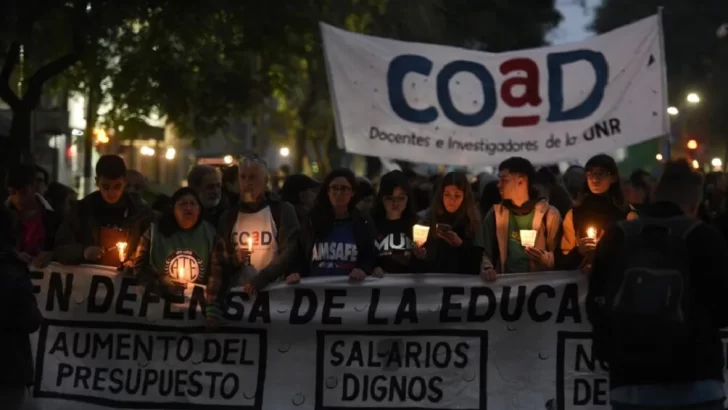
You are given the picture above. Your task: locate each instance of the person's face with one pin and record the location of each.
(135, 184)
(186, 211)
(233, 187)
(22, 198)
(366, 204)
(395, 204)
(511, 185)
(340, 192)
(252, 180)
(452, 198)
(41, 185)
(210, 190)
(599, 180)
(308, 197)
(111, 189)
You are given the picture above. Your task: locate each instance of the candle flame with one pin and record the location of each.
(591, 233)
(121, 247)
(181, 272)
(250, 244)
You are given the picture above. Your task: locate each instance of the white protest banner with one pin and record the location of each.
(405, 342)
(438, 104)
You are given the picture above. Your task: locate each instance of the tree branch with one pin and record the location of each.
(58, 66)
(11, 60)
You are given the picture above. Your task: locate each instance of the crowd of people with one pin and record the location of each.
(654, 250)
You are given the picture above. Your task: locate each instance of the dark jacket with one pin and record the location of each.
(19, 317)
(81, 228)
(213, 216)
(51, 223)
(702, 357)
(598, 211)
(364, 235)
(224, 266)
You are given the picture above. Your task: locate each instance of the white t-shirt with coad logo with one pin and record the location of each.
(262, 228)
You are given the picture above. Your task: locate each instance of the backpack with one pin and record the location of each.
(649, 303)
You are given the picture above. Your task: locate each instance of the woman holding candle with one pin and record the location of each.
(336, 239)
(177, 249)
(453, 220)
(601, 208)
(394, 218)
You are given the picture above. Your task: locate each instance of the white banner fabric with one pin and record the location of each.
(404, 342)
(447, 105)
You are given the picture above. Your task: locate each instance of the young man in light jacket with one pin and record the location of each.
(521, 209)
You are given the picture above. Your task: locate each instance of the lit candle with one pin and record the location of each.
(181, 273)
(121, 247)
(591, 233)
(419, 234)
(250, 243)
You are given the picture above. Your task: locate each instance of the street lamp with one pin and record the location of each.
(228, 159)
(171, 153)
(692, 144)
(285, 151)
(693, 98)
(716, 162)
(658, 157)
(146, 151)
(673, 111)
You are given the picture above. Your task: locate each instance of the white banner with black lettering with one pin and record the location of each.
(405, 342)
(438, 104)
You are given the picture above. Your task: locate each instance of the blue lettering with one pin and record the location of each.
(398, 69)
(555, 62)
(490, 102)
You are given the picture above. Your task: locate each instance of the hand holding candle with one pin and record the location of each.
(587, 245)
(244, 251)
(121, 248)
(419, 234)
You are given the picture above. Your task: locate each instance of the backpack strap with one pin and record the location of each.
(545, 224)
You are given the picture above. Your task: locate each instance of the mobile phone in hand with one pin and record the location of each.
(444, 228)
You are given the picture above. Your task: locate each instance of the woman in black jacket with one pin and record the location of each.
(394, 216)
(336, 239)
(602, 207)
(454, 219)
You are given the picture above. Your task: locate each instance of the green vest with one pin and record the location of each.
(188, 252)
(517, 261)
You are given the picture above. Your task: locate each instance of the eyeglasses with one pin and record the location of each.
(598, 174)
(343, 189)
(396, 199)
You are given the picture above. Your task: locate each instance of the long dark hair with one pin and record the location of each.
(468, 213)
(322, 213)
(608, 164)
(167, 222)
(387, 184)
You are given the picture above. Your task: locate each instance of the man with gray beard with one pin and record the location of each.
(207, 182)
